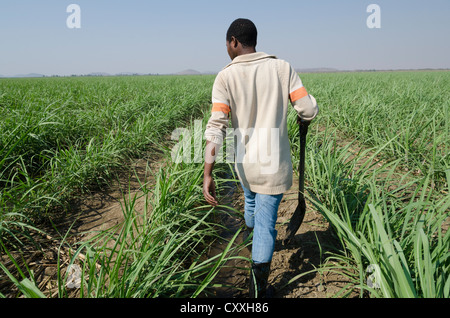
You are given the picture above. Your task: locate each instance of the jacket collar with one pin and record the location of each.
(250, 58)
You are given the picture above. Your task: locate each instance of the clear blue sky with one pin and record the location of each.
(173, 35)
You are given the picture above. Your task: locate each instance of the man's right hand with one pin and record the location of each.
(209, 190)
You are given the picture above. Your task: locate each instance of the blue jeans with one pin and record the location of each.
(261, 211)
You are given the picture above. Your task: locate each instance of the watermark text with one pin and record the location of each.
(374, 19)
(74, 19)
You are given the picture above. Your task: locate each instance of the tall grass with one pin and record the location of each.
(377, 168)
(397, 233)
(158, 252)
(389, 219)
(66, 136)
(409, 109)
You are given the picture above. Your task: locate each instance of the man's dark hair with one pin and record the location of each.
(244, 31)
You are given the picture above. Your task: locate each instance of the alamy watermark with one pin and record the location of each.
(374, 19)
(374, 279)
(73, 21)
(248, 146)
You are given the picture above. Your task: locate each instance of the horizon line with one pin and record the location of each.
(195, 72)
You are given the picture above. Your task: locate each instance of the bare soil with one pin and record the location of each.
(305, 253)
(102, 210)
(89, 214)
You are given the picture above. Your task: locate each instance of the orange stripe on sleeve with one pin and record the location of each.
(220, 107)
(298, 94)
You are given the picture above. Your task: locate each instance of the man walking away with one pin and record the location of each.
(254, 90)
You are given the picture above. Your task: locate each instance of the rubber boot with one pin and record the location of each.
(258, 280)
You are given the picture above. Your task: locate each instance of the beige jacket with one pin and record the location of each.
(254, 90)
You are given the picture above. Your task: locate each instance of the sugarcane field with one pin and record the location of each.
(102, 178)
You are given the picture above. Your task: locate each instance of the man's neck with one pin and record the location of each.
(247, 51)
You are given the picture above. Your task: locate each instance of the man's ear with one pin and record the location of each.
(234, 42)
